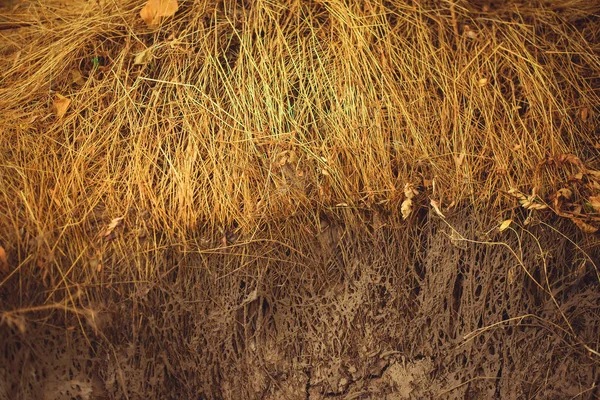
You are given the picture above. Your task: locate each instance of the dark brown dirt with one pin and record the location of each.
(402, 315)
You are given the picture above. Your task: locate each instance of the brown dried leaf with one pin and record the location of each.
(3, 260)
(154, 10)
(585, 228)
(565, 193)
(61, 105)
(76, 77)
(585, 112)
(571, 159)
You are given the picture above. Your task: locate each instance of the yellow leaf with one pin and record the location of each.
(595, 202)
(504, 226)
(154, 10)
(143, 57)
(60, 105)
(482, 82)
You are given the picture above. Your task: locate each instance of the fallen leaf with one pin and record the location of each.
(436, 207)
(95, 264)
(585, 112)
(3, 260)
(406, 208)
(504, 226)
(113, 224)
(482, 82)
(595, 202)
(143, 57)
(76, 77)
(581, 270)
(572, 159)
(410, 191)
(60, 105)
(154, 10)
(471, 34)
(459, 159)
(585, 228)
(511, 275)
(564, 192)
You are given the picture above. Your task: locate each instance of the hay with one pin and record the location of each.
(236, 179)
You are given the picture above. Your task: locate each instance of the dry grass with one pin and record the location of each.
(261, 122)
(248, 115)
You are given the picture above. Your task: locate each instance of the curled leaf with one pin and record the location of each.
(410, 191)
(436, 207)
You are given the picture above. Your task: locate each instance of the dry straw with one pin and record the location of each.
(232, 123)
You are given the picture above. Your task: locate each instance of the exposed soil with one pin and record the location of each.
(405, 314)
